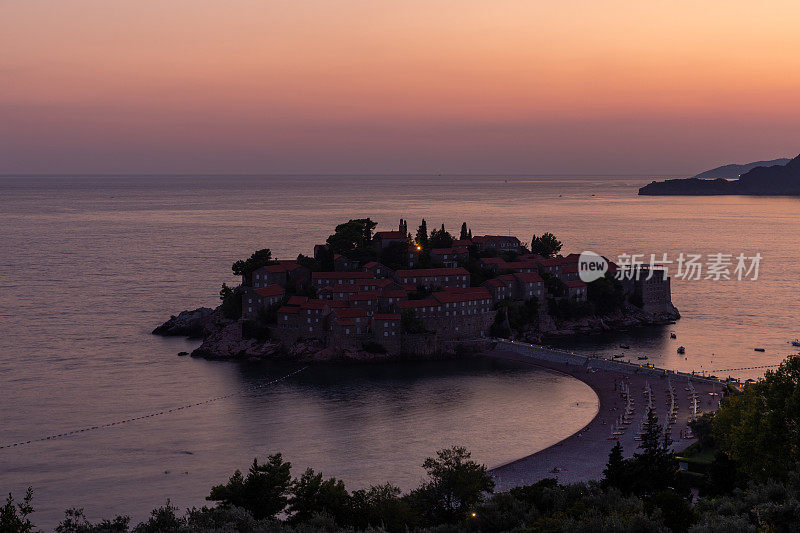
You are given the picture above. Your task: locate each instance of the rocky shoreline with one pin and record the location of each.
(222, 337)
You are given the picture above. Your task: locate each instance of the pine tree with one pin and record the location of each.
(422, 235)
(614, 474)
(651, 439)
(463, 235)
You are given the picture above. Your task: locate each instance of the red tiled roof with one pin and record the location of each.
(394, 293)
(466, 295)
(342, 289)
(453, 250)
(271, 290)
(283, 266)
(371, 264)
(409, 287)
(494, 283)
(570, 269)
(431, 272)
(383, 282)
(389, 235)
(521, 264)
(506, 277)
(528, 277)
(365, 295)
(350, 312)
(342, 275)
(492, 260)
(413, 304)
(288, 310)
(314, 304)
(462, 242)
(387, 316)
(297, 300)
(333, 304)
(560, 261)
(576, 283)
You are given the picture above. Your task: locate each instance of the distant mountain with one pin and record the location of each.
(728, 172)
(760, 180)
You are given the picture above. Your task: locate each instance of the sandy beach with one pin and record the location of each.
(583, 455)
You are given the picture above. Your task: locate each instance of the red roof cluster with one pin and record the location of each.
(431, 272)
(528, 277)
(270, 290)
(342, 275)
(463, 295)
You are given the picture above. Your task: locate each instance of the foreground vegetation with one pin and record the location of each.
(744, 466)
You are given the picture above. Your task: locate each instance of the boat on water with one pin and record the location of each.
(618, 355)
(673, 336)
(642, 358)
(758, 349)
(624, 346)
(796, 342)
(681, 350)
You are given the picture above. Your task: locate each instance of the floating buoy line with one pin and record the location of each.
(153, 414)
(743, 368)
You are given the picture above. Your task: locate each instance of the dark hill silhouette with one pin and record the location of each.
(732, 172)
(762, 180)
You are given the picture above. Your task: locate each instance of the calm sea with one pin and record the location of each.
(90, 265)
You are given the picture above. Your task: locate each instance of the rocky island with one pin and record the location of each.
(367, 295)
(782, 179)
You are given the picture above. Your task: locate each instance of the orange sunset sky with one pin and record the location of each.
(460, 86)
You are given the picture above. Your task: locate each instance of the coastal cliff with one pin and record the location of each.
(775, 180)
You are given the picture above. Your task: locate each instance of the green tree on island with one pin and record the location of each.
(547, 245)
(421, 238)
(440, 239)
(353, 239)
(259, 259)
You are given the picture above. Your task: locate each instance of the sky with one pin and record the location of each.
(382, 86)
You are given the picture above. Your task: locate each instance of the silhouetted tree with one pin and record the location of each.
(455, 485)
(614, 473)
(14, 517)
(259, 259)
(547, 245)
(422, 235)
(313, 494)
(263, 492)
(440, 239)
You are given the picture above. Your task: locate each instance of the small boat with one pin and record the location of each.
(758, 349)
(642, 358)
(796, 342)
(624, 346)
(681, 350)
(618, 355)
(673, 336)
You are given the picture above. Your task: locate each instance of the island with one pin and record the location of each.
(370, 295)
(774, 180)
